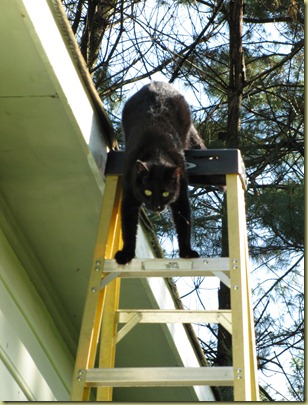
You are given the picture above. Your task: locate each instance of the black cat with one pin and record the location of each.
(158, 128)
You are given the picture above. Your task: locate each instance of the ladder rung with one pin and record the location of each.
(159, 376)
(177, 316)
(169, 267)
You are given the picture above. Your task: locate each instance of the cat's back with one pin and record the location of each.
(155, 96)
(156, 106)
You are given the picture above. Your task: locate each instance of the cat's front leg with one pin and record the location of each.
(129, 214)
(182, 220)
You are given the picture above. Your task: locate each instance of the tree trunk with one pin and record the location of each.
(235, 91)
(96, 23)
(236, 78)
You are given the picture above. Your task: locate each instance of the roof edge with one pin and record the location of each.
(68, 36)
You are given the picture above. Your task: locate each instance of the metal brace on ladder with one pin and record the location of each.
(101, 312)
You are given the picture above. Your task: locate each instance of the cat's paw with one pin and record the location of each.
(189, 253)
(123, 257)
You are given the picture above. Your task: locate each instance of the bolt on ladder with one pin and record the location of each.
(102, 314)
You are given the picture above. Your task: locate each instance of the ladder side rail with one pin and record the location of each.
(91, 321)
(240, 299)
(252, 336)
(107, 346)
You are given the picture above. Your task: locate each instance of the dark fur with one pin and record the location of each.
(158, 127)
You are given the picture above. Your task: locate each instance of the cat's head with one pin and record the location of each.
(157, 184)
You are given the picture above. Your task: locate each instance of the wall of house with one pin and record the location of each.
(34, 363)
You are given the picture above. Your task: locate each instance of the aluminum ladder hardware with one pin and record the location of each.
(102, 313)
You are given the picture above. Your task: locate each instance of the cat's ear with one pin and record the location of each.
(177, 173)
(141, 166)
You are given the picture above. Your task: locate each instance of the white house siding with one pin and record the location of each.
(34, 365)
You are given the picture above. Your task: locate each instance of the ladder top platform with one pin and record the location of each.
(204, 166)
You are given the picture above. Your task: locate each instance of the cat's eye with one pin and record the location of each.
(165, 194)
(148, 193)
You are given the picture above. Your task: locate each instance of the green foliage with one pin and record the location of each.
(281, 211)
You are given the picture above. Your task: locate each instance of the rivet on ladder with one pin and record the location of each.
(235, 266)
(80, 375)
(173, 265)
(93, 289)
(236, 287)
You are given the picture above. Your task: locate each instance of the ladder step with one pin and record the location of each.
(169, 267)
(177, 316)
(159, 377)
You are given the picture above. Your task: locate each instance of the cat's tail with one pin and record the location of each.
(194, 140)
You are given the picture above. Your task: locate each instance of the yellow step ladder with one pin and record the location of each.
(99, 335)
